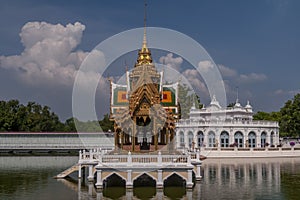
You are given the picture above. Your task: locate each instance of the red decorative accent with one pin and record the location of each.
(165, 96)
(123, 96)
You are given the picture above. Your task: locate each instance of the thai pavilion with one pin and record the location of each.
(144, 109)
(215, 126)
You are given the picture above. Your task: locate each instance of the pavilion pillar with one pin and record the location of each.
(160, 183)
(133, 135)
(129, 183)
(167, 136)
(99, 184)
(122, 139)
(189, 184)
(155, 133)
(90, 176)
(116, 138)
(79, 171)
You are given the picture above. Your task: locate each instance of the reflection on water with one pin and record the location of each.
(32, 178)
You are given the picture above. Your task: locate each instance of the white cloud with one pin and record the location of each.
(227, 72)
(194, 78)
(281, 92)
(49, 56)
(233, 75)
(170, 61)
(205, 66)
(252, 77)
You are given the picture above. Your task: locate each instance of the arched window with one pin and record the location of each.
(191, 138)
(224, 138)
(252, 139)
(211, 139)
(200, 138)
(181, 137)
(263, 139)
(239, 139)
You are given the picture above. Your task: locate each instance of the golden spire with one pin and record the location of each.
(145, 21)
(144, 55)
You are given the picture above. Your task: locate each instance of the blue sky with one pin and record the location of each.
(255, 43)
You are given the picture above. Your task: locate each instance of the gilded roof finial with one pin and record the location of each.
(145, 24)
(144, 56)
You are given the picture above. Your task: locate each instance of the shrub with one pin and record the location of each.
(292, 144)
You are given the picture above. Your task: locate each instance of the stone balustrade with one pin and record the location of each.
(159, 159)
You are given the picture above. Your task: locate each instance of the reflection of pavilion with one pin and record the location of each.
(231, 178)
(144, 109)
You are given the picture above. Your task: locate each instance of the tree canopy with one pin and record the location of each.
(16, 117)
(288, 117)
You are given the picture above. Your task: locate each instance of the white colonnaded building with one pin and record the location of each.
(215, 126)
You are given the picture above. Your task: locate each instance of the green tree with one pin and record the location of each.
(106, 124)
(290, 117)
(273, 116)
(187, 99)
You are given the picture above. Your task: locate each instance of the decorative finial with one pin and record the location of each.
(145, 24)
(144, 55)
(237, 94)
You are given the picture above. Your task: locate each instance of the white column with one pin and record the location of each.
(159, 159)
(90, 176)
(189, 184)
(129, 183)
(198, 175)
(90, 189)
(160, 183)
(258, 139)
(268, 138)
(99, 184)
(79, 171)
(129, 159)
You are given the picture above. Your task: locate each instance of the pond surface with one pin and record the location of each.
(32, 178)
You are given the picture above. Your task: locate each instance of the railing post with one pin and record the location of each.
(83, 154)
(198, 154)
(159, 159)
(80, 155)
(129, 159)
(189, 158)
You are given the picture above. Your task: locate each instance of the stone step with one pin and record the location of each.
(67, 172)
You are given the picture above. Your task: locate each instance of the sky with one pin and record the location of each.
(255, 44)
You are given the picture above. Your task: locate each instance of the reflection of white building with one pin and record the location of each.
(215, 126)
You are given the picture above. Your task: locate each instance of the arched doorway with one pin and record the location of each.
(252, 140)
(239, 139)
(200, 138)
(263, 139)
(211, 139)
(224, 138)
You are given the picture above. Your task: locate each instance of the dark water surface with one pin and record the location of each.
(32, 178)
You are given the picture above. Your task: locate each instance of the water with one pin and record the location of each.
(32, 178)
